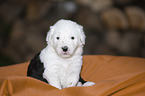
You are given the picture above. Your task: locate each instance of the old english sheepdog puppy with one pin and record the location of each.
(59, 64)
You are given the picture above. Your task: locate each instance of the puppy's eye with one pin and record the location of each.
(57, 38)
(72, 38)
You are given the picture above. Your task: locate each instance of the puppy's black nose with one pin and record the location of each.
(65, 48)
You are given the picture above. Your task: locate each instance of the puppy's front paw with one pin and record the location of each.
(56, 85)
(71, 83)
(79, 84)
(88, 83)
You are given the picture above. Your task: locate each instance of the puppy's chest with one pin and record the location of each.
(64, 71)
(62, 68)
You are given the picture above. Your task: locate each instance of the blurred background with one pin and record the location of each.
(112, 27)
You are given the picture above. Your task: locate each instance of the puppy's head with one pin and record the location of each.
(65, 37)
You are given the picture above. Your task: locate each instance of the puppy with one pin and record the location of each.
(60, 62)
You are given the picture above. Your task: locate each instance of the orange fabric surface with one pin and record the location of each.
(113, 75)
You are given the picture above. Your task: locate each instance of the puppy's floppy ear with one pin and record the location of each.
(49, 34)
(82, 35)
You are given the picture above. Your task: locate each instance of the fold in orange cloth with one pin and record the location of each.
(113, 75)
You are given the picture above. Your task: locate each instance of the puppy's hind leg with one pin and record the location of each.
(88, 83)
(82, 82)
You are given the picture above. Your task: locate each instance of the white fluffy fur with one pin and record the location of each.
(62, 69)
